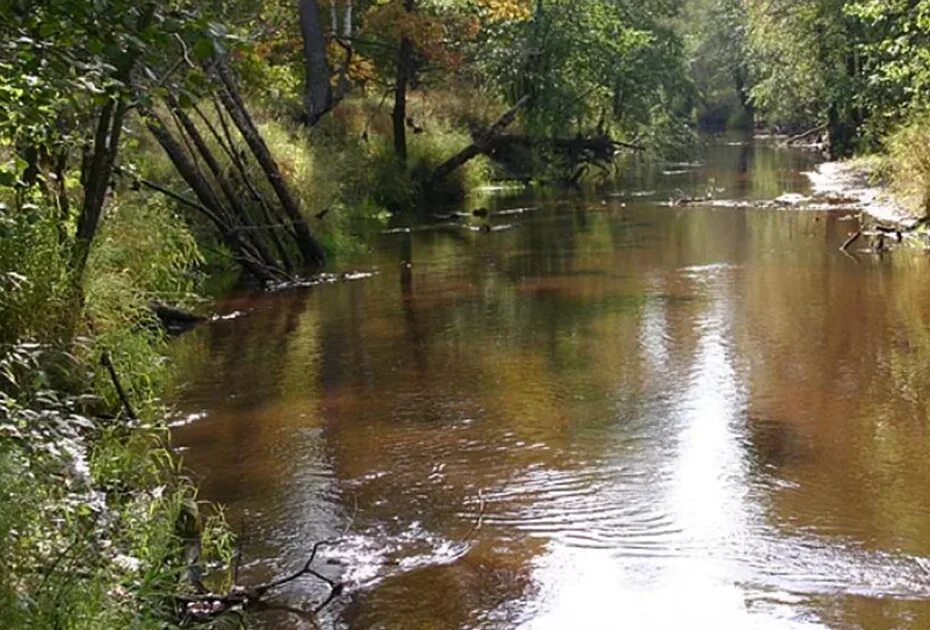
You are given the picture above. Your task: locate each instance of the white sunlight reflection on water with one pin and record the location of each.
(706, 495)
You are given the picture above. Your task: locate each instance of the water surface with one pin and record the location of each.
(615, 414)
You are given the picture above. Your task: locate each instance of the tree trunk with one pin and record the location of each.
(347, 32)
(480, 145)
(311, 251)
(102, 158)
(210, 205)
(225, 140)
(399, 115)
(318, 93)
(743, 92)
(841, 132)
(239, 215)
(97, 179)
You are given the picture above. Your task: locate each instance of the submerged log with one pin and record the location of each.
(852, 239)
(173, 318)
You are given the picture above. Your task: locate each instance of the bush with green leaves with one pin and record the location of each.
(91, 495)
(908, 163)
(89, 532)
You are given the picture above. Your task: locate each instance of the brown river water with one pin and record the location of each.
(616, 414)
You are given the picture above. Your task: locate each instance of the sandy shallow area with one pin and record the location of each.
(852, 180)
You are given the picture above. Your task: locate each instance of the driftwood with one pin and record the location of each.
(804, 135)
(208, 606)
(882, 231)
(852, 239)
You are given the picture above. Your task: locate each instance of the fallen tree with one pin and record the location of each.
(482, 143)
(576, 153)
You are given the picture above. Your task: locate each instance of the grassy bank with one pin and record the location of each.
(98, 519)
(894, 180)
(96, 512)
(905, 164)
(343, 171)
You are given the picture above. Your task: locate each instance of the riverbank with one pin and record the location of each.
(84, 437)
(860, 182)
(98, 525)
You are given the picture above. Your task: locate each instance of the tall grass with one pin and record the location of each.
(909, 163)
(33, 277)
(343, 172)
(348, 162)
(91, 499)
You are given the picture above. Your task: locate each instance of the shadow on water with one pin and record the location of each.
(658, 415)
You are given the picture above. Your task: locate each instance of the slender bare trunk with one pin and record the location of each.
(347, 32)
(310, 249)
(102, 157)
(318, 93)
(399, 115)
(210, 205)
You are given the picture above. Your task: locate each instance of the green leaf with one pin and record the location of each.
(203, 49)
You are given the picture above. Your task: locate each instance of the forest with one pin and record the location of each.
(159, 153)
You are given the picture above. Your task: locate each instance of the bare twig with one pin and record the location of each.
(852, 239)
(107, 363)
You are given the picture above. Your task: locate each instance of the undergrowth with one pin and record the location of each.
(908, 163)
(93, 504)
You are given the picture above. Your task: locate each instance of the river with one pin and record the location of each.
(615, 413)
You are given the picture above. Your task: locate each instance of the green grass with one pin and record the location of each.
(908, 165)
(91, 499)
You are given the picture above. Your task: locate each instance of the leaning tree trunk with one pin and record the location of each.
(480, 145)
(311, 251)
(210, 205)
(318, 93)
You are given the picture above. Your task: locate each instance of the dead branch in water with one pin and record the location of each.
(804, 135)
(208, 606)
(852, 239)
(479, 520)
(880, 232)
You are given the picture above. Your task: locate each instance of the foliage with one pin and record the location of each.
(858, 66)
(798, 52)
(715, 37)
(333, 167)
(88, 530)
(91, 497)
(596, 63)
(33, 275)
(895, 59)
(62, 61)
(909, 157)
